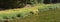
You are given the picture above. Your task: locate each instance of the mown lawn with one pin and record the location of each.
(35, 16)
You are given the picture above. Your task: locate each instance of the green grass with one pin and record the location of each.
(37, 16)
(14, 12)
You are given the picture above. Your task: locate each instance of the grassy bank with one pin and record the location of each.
(33, 14)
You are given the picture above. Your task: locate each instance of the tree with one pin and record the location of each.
(40, 1)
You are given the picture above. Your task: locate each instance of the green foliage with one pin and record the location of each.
(26, 12)
(17, 3)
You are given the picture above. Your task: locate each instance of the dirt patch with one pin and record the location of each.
(28, 5)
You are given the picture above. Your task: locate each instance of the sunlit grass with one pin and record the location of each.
(47, 16)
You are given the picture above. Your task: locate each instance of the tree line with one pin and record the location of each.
(20, 3)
